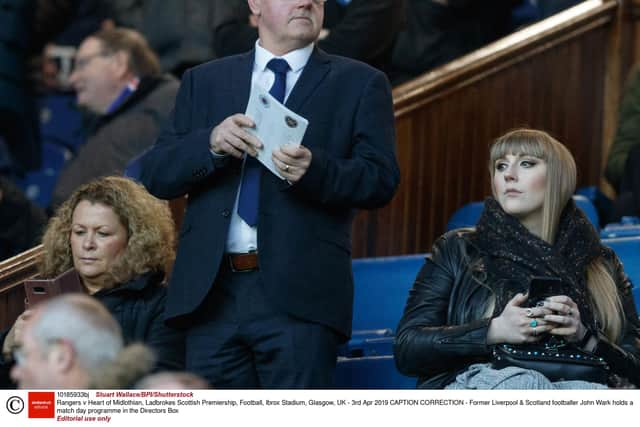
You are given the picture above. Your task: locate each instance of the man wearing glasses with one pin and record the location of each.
(262, 282)
(117, 79)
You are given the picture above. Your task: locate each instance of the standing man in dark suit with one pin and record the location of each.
(262, 279)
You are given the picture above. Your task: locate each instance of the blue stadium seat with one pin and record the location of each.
(38, 185)
(628, 250)
(381, 289)
(603, 204)
(628, 226)
(468, 215)
(60, 121)
(588, 208)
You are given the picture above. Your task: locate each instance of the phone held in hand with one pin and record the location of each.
(541, 288)
(38, 290)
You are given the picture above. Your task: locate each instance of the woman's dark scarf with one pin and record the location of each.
(512, 255)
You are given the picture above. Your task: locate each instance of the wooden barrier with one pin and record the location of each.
(559, 75)
(13, 272)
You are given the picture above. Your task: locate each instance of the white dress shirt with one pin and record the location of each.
(242, 237)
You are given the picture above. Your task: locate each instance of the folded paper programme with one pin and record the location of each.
(276, 125)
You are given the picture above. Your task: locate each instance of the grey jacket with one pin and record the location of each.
(119, 136)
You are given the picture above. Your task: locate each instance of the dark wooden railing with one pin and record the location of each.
(13, 272)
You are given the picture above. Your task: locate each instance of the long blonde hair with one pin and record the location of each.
(148, 221)
(561, 184)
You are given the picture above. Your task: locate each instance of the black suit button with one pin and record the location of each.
(226, 213)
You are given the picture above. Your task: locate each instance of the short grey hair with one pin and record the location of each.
(85, 323)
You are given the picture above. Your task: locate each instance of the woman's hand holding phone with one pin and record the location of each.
(566, 318)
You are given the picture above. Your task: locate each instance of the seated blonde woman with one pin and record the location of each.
(471, 294)
(120, 240)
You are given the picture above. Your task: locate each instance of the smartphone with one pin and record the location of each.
(38, 290)
(541, 288)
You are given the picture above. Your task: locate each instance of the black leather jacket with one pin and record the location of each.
(436, 341)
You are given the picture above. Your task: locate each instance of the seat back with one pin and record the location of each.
(60, 121)
(38, 185)
(628, 226)
(381, 289)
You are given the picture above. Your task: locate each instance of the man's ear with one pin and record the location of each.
(121, 64)
(255, 6)
(62, 357)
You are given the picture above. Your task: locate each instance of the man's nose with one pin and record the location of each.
(73, 77)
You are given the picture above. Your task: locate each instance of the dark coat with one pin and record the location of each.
(304, 229)
(117, 137)
(138, 306)
(444, 329)
(627, 133)
(18, 114)
(435, 34)
(179, 31)
(21, 221)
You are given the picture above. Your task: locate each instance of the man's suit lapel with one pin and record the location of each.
(312, 76)
(241, 81)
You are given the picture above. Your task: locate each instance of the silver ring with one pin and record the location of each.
(529, 312)
(534, 332)
(286, 167)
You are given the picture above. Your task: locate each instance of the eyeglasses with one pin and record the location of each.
(81, 63)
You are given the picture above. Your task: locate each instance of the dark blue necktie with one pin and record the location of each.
(250, 186)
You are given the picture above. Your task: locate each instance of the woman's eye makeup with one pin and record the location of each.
(501, 166)
(525, 163)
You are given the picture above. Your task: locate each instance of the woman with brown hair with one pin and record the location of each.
(471, 295)
(120, 241)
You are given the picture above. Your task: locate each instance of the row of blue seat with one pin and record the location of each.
(381, 288)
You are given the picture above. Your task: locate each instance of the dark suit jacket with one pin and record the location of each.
(304, 230)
